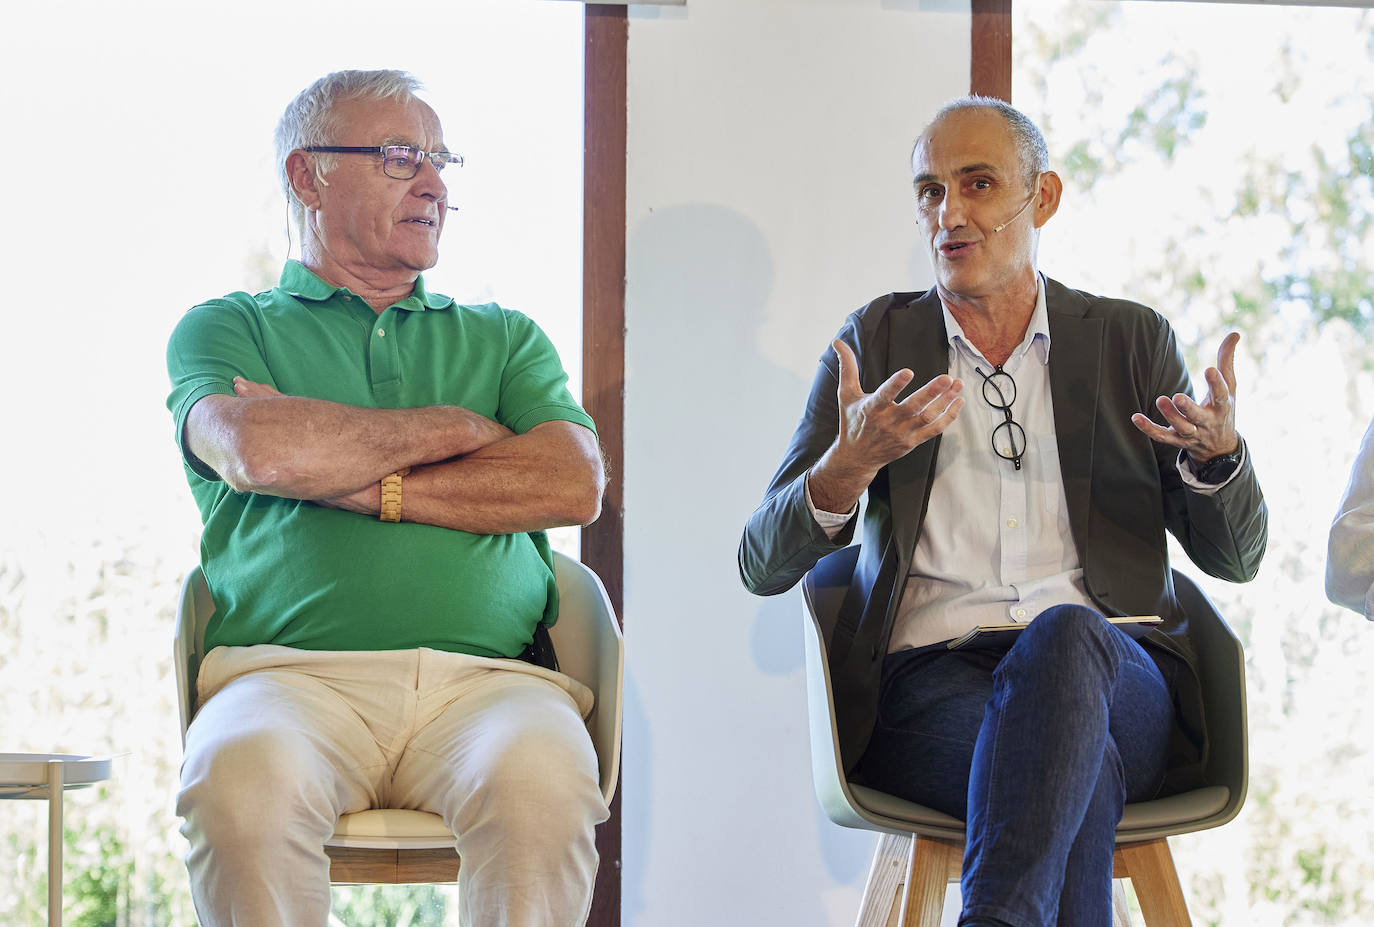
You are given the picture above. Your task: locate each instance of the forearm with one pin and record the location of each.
(1225, 533)
(548, 477)
(782, 540)
(303, 448)
(836, 483)
(1350, 547)
(1350, 565)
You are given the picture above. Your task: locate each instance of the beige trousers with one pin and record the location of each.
(286, 740)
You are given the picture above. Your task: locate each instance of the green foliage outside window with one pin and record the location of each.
(1217, 161)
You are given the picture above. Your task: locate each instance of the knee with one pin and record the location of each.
(1065, 629)
(536, 793)
(249, 789)
(1065, 641)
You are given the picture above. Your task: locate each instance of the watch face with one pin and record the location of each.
(1218, 469)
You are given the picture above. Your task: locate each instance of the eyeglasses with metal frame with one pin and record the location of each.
(400, 162)
(1013, 446)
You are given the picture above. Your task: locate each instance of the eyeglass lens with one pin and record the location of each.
(403, 162)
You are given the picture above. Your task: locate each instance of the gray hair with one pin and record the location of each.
(1031, 149)
(310, 118)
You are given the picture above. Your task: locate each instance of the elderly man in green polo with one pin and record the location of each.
(375, 466)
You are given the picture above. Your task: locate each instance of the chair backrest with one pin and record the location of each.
(823, 590)
(591, 650)
(586, 638)
(1221, 671)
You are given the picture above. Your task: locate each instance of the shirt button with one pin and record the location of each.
(347, 297)
(381, 333)
(1012, 522)
(1020, 614)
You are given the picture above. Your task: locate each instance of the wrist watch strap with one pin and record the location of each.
(1218, 469)
(391, 495)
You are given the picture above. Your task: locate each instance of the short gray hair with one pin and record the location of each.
(1030, 144)
(310, 118)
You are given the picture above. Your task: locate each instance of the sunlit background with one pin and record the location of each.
(1217, 165)
(138, 152)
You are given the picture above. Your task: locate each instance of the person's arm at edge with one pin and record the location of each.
(1350, 546)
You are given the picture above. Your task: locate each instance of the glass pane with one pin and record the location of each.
(1217, 166)
(98, 526)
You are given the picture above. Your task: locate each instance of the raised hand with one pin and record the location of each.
(1207, 429)
(876, 429)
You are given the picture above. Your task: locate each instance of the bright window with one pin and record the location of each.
(138, 155)
(1217, 166)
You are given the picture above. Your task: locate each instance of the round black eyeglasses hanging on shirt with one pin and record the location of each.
(1012, 444)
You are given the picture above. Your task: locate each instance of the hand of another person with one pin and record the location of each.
(247, 389)
(1204, 430)
(876, 429)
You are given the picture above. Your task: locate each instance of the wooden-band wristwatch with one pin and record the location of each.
(391, 495)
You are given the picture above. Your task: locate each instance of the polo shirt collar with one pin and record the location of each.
(303, 283)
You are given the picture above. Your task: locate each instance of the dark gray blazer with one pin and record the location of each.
(1108, 359)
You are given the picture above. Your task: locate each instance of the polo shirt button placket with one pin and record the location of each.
(386, 362)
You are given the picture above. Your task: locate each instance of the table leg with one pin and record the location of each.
(54, 843)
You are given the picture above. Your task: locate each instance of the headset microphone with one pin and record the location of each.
(998, 228)
(1035, 185)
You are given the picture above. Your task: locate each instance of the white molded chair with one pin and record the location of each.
(394, 845)
(931, 843)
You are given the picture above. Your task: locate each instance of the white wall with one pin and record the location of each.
(768, 196)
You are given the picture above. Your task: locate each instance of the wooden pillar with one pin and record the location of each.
(990, 70)
(603, 348)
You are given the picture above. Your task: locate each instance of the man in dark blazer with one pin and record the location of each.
(971, 519)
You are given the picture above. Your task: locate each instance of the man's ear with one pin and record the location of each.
(305, 184)
(1047, 198)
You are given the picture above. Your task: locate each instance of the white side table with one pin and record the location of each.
(46, 776)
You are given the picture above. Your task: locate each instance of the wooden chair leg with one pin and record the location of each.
(1150, 867)
(1121, 906)
(885, 876)
(933, 862)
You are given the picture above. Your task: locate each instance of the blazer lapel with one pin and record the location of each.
(1075, 369)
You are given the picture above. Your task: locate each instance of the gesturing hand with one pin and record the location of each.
(876, 429)
(1204, 430)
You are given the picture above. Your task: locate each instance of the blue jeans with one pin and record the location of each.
(1037, 747)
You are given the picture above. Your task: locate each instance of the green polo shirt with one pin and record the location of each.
(284, 571)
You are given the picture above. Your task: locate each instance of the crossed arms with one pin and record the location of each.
(468, 472)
